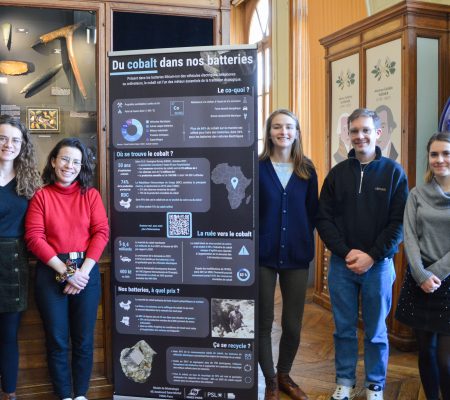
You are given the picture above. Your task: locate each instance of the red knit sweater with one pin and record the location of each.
(62, 219)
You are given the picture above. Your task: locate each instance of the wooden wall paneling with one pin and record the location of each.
(106, 303)
(326, 17)
(409, 104)
(102, 131)
(201, 4)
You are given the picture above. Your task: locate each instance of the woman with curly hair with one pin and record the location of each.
(19, 179)
(67, 230)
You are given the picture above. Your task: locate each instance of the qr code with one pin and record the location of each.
(179, 225)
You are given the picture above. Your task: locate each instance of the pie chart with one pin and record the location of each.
(132, 130)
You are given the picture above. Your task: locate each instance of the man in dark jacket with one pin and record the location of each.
(360, 220)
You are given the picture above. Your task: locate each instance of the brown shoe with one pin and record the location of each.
(288, 386)
(272, 392)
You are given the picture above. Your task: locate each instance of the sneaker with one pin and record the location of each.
(344, 393)
(374, 392)
(80, 398)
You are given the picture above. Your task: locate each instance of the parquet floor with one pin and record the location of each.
(313, 368)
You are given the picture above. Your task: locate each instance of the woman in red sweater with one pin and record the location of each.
(67, 229)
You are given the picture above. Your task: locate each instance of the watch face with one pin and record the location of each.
(444, 121)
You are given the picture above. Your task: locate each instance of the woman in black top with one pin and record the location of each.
(19, 179)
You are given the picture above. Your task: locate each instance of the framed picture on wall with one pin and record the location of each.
(374, 6)
(43, 120)
(384, 93)
(344, 99)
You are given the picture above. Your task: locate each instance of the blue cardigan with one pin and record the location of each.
(286, 219)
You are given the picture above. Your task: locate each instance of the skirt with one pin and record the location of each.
(424, 311)
(13, 275)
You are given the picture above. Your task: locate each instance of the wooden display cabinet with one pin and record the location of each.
(399, 57)
(83, 116)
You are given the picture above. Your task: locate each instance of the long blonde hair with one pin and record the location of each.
(437, 137)
(303, 166)
(25, 166)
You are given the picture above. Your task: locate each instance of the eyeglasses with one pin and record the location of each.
(17, 142)
(68, 160)
(365, 131)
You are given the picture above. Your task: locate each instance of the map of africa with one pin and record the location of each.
(234, 180)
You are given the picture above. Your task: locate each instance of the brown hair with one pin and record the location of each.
(437, 137)
(302, 165)
(364, 112)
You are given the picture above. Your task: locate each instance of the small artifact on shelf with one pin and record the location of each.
(13, 67)
(6, 30)
(35, 83)
(66, 32)
(43, 119)
(136, 361)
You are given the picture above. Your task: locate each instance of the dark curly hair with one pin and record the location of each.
(25, 166)
(87, 165)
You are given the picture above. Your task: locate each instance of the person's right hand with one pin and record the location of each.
(431, 284)
(358, 261)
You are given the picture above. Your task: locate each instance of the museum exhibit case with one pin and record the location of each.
(53, 76)
(395, 62)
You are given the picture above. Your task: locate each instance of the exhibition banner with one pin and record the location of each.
(184, 213)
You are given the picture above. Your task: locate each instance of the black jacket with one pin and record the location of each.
(363, 210)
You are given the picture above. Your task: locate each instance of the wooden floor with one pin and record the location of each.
(313, 368)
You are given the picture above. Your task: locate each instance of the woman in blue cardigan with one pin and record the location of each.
(288, 199)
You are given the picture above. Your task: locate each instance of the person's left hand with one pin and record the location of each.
(77, 282)
(431, 284)
(358, 261)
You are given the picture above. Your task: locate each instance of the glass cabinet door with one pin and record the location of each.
(48, 64)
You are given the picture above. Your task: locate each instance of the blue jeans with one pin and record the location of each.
(9, 350)
(68, 317)
(375, 289)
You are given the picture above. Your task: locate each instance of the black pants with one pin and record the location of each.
(434, 363)
(293, 284)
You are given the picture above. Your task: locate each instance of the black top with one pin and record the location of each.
(12, 211)
(363, 209)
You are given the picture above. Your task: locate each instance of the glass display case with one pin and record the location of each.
(48, 70)
(50, 61)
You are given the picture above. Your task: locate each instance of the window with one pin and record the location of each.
(259, 33)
